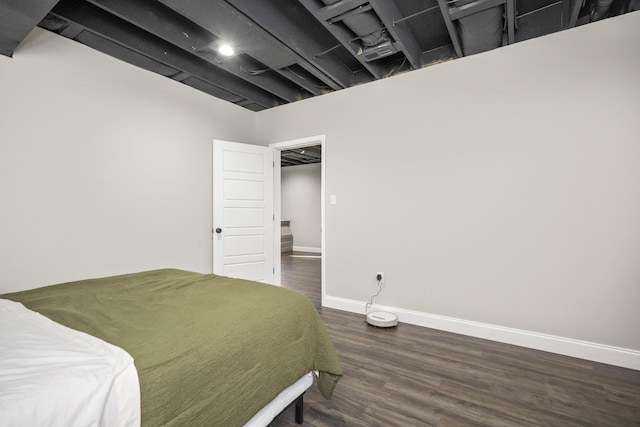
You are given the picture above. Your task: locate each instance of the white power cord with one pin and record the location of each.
(370, 303)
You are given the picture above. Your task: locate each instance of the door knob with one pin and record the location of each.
(218, 230)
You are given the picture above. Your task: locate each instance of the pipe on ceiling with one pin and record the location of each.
(481, 31)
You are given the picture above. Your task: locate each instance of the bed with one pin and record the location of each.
(208, 350)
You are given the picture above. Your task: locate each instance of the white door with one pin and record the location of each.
(243, 211)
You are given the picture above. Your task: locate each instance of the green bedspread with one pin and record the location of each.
(209, 350)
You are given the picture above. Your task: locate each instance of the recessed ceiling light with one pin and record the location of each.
(226, 50)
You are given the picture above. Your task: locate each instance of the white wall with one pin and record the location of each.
(499, 191)
(301, 204)
(104, 168)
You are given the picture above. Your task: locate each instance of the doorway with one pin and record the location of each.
(304, 267)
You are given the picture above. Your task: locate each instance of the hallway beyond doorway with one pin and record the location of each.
(302, 272)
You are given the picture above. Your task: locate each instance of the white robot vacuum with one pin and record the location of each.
(382, 319)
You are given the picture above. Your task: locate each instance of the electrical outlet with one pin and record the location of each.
(380, 275)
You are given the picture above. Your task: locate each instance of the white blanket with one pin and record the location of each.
(51, 375)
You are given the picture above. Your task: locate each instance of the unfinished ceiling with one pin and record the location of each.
(301, 156)
(288, 50)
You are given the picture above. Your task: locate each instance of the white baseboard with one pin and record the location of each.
(307, 249)
(616, 356)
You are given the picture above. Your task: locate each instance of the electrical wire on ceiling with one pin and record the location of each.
(326, 51)
(304, 78)
(413, 15)
(399, 67)
(538, 10)
(254, 72)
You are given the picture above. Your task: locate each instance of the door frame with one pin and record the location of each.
(277, 203)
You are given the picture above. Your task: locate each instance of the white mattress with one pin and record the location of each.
(51, 375)
(284, 399)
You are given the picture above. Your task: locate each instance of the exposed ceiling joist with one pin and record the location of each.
(19, 17)
(229, 24)
(288, 50)
(389, 14)
(342, 34)
(269, 14)
(118, 31)
(453, 32)
(162, 22)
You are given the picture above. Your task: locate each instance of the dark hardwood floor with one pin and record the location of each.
(415, 376)
(302, 272)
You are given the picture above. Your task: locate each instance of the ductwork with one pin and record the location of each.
(367, 26)
(364, 23)
(481, 31)
(601, 9)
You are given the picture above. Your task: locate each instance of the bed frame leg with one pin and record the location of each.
(300, 409)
